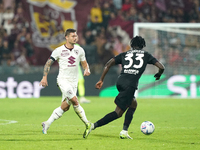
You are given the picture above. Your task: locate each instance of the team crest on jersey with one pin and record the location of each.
(76, 52)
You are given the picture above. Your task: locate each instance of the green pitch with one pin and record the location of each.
(177, 125)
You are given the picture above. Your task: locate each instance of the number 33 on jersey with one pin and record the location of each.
(134, 61)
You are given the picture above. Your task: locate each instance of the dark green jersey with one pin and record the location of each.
(133, 64)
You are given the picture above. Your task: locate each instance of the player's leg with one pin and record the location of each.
(128, 119)
(81, 87)
(69, 91)
(120, 109)
(81, 113)
(57, 113)
(65, 88)
(129, 114)
(79, 109)
(81, 91)
(106, 119)
(109, 117)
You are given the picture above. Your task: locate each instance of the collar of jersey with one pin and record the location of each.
(68, 48)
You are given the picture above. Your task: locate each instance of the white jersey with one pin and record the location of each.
(68, 61)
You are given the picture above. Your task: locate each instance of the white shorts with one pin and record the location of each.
(68, 89)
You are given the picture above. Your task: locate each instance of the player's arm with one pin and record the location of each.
(161, 68)
(47, 66)
(108, 65)
(86, 68)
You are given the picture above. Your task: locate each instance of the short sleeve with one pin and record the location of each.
(151, 59)
(82, 56)
(118, 59)
(55, 54)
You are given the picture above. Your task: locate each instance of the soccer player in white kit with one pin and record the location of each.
(68, 56)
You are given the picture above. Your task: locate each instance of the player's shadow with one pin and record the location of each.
(105, 136)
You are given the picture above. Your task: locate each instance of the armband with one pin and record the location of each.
(52, 58)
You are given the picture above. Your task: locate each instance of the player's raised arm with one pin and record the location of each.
(86, 68)
(160, 71)
(47, 66)
(110, 63)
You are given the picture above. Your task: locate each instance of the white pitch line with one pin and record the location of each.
(7, 121)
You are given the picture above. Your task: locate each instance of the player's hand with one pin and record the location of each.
(99, 84)
(43, 82)
(157, 76)
(87, 72)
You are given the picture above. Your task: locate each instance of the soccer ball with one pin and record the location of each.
(147, 127)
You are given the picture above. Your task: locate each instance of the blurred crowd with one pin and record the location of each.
(181, 54)
(104, 41)
(100, 39)
(16, 47)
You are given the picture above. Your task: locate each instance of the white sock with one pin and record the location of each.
(57, 113)
(81, 113)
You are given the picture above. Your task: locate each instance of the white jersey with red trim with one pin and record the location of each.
(69, 60)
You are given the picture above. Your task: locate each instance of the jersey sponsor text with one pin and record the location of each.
(131, 71)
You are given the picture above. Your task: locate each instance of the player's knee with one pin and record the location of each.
(74, 100)
(134, 103)
(119, 115)
(65, 106)
(65, 109)
(119, 112)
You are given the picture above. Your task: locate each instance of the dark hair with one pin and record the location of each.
(68, 31)
(138, 42)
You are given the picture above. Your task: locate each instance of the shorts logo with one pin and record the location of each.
(71, 60)
(69, 92)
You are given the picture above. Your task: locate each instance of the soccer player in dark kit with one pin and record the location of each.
(133, 62)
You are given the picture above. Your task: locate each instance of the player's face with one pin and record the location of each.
(72, 38)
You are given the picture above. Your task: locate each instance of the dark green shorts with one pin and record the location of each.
(125, 98)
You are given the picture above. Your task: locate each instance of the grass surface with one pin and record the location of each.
(176, 125)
